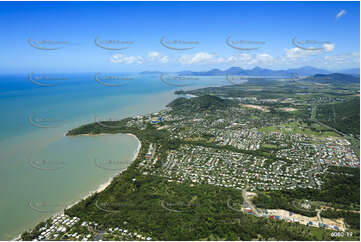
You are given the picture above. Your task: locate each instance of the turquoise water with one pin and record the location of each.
(41, 170)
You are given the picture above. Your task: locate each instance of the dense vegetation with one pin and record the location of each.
(274, 200)
(338, 85)
(28, 236)
(201, 103)
(341, 190)
(205, 212)
(344, 117)
(168, 210)
(338, 189)
(351, 218)
(337, 78)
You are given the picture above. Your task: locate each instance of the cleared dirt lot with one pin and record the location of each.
(261, 108)
(285, 215)
(288, 109)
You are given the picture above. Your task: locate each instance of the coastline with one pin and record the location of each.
(90, 135)
(101, 187)
(165, 96)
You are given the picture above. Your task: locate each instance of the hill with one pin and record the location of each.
(336, 78)
(258, 71)
(344, 117)
(308, 70)
(150, 73)
(352, 71)
(201, 103)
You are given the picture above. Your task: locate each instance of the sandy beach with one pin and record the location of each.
(103, 186)
(86, 135)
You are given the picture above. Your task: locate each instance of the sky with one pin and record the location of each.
(77, 37)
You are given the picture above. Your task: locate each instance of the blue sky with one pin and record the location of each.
(267, 28)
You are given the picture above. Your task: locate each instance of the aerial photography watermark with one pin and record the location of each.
(47, 207)
(240, 79)
(46, 165)
(45, 80)
(295, 77)
(244, 45)
(234, 205)
(237, 79)
(155, 207)
(178, 206)
(45, 121)
(321, 78)
(312, 45)
(110, 165)
(178, 44)
(113, 44)
(108, 122)
(115, 207)
(111, 80)
(177, 80)
(231, 209)
(47, 44)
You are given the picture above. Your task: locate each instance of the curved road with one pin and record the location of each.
(248, 202)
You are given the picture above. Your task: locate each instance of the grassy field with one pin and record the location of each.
(269, 146)
(301, 128)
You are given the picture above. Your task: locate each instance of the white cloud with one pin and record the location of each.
(153, 55)
(247, 59)
(343, 59)
(200, 58)
(220, 60)
(125, 59)
(296, 52)
(292, 57)
(341, 13)
(164, 59)
(296, 57)
(331, 62)
(328, 47)
(238, 58)
(156, 56)
(264, 57)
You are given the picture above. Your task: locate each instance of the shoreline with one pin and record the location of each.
(101, 187)
(90, 135)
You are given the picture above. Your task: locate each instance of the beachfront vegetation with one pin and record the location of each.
(197, 162)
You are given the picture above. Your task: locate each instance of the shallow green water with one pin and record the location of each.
(55, 175)
(41, 170)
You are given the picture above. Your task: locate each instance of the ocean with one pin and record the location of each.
(41, 170)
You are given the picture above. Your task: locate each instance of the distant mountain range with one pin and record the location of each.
(150, 72)
(353, 71)
(258, 71)
(333, 78)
